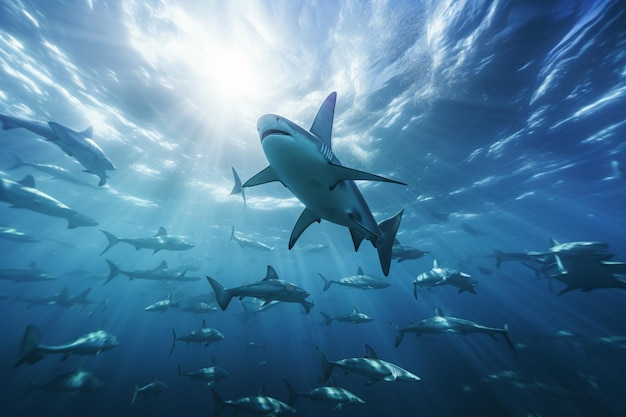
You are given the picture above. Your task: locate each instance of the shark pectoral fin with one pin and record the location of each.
(263, 177)
(305, 220)
(341, 173)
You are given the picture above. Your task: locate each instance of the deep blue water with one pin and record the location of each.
(506, 116)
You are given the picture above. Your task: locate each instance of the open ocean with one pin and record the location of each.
(506, 120)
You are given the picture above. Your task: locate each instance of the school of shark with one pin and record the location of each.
(303, 161)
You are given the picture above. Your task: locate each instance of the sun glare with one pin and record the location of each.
(219, 64)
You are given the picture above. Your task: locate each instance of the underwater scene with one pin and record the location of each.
(350, 208)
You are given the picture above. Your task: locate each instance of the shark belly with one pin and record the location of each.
(303, 170)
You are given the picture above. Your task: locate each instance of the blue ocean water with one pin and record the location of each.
(505, 119)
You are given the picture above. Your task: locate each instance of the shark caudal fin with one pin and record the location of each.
(222, 295)
(113, 240)
(327, 367)
(327, 318)
(29, 349)
(399, 335)
(134, 395)
(113, 271)
(327, 282)
(389, 228)
(293, 394)
(505, 334)
(18, 163)
(219, 403)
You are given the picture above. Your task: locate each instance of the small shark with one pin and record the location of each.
(355, 317)
(471, 230)
(15, 235)
(269, 289)
(204, 335)
(440, 323)
(360, 280)
(62, 299)
(199, 308)
(30, 274)
(334, 395)
(405, 253)
(238, 188)
(54, 171)
(93, 343)
(588, 274)
(163, 305)
(78, 145)
(209, 375)
(303, 161)
(244, 242)
(74, 382)
(160, 273)
(160, 241)
(24, 194)
(153, 388)
(444, 276)
(261, 405)
(369, 366)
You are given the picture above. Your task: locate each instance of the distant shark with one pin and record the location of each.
(209, 375)
(153, 388)
(440, 323)
(54, 171)
(355, 317)
(244, 242)
(360, 280)
(93, 343)
(303, 161)
(74, 382)
(204, 335)
(78, 145)
(269, 289)
(24, 194)
(160, 241)
(160, 273)
(30, 274)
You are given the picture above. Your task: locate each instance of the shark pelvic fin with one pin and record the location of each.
(323, 123)
(305, 220)
(263, 177)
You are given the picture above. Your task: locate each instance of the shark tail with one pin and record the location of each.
(222, 295)
(327, 282)
(327, 367)
(172, 348)
(134, 395)
(113, 240)
(29, 349)
(219, 403)
(389, 228)
(327, 318)
(18, 163)
(507, 339)
(293, 394)
(399, 335)
(113, 271)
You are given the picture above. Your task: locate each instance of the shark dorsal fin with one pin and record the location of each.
(553, 242)
(27, 181)
(322, 126)
(262, 391)
(161, 232)
(203, 323)
(369, 352)
(88, 133)
(354, 310)
(162, 265)
(271, 274)
(169, 296)
(435, 264)
(439, 312)
(359, 271)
